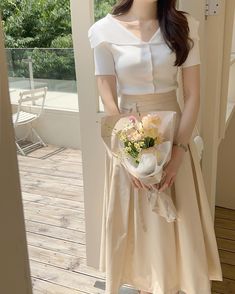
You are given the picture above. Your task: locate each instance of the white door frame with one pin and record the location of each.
(91, 143)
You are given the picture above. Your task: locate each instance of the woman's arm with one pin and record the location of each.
(191, 86)
(191, 91)
(108, 91)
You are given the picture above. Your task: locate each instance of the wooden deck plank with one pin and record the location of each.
(65, 278)
(66, 156)
(60, 211)
(55, 232)
(226, 213)
(53, 201)
(57, 245)
(225, 233)
(62, 220)
(63, 260)
(50, 178)
(46, 165)
(45, 287)
(225, 287)
(225, 223)
(68, 170)
(228, 271)
(51, 191)
(225, 244)
(227, 257)
(44, 186)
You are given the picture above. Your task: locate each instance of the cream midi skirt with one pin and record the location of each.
(139, 247)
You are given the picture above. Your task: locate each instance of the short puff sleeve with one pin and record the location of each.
(103, 58)
(193, 57)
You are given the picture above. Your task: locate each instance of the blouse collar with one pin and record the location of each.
(154, 37)
(108, 29)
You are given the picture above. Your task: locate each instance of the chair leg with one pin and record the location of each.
(20, 149)
(39, 138)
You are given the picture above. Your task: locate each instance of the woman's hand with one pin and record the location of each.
(137, 183)
(171, 169)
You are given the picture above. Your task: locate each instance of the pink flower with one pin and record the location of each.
(132, 118)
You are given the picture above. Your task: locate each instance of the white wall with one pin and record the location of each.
(55, 126)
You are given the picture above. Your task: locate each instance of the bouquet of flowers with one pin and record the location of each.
(143, 144)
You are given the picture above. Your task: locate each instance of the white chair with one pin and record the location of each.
(22, 117)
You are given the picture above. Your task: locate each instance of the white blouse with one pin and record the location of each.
(141, 67)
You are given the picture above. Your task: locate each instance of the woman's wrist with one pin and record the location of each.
(177, 151)
(181, 145)
(112, 111)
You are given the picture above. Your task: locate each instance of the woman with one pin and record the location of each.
(138, 49)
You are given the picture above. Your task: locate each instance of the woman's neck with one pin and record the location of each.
(143, 10)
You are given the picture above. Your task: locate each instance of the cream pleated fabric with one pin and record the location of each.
(138, 246)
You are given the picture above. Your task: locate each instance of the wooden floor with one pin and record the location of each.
(52, 189)
(225, 235)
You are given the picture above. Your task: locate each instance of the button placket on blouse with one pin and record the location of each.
(152, 67)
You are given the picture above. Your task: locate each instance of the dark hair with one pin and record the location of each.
(173, 25)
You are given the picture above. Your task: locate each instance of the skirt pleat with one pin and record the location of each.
(139, 247)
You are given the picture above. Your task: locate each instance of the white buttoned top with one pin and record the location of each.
(141, 67)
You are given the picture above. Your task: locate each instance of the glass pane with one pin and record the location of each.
(40, 50)
(31, 68)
